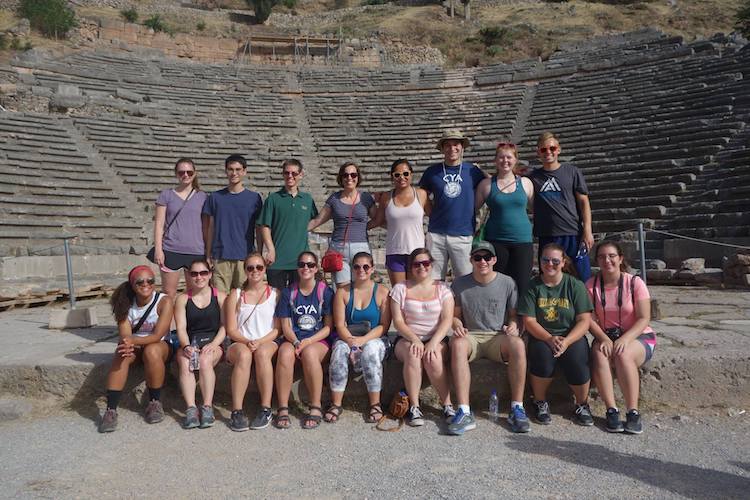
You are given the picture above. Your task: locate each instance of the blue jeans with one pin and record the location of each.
(573, 249)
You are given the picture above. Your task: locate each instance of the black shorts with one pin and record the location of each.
(176, 261)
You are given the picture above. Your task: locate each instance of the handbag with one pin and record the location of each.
(151, 255)
(396, 411)
(333, 261)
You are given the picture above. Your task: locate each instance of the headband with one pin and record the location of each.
(136, 270)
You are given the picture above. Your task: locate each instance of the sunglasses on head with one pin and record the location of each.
(421, 263)
(258, 267)
(405, 175)
(352, 175)
(482, 256)
(550, 149)
(290, 173)
(364, 267)
(189, 173)
(195, 274)
(309, 265)
(148, 281)
(553, 261)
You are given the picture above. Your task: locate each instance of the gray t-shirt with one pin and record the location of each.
(485, 307)
(340, 213)
(555, 206)
(185, 233)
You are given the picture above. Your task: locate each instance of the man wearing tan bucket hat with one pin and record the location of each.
(451, 183)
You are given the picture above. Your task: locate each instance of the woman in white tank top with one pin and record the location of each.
(253, 330)
(402, 210)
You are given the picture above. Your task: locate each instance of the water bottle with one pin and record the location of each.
(356, 357)
(194, 356)
(494, 407)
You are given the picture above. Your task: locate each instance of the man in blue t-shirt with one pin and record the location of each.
(451, 184)
(229, 225)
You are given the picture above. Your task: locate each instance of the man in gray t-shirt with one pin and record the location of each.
(485, 326)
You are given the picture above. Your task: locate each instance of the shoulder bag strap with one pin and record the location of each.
(178, 211)
(138, 325)
(351, 214)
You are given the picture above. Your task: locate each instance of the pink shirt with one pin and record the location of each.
(627, 313)
(422, 316)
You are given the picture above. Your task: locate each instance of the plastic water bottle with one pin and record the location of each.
(356, 356)
(494, 407)
(194, 356)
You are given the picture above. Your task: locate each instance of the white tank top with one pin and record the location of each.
(135, 313)
(405, 227)
(260, 322)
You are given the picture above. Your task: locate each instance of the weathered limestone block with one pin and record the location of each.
(696, 264)
(657, 264)
(660, 274)
(710, 276)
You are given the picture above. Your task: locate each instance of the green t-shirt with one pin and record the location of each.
(555, 307)
(287, 216)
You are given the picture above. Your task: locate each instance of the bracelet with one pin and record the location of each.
(296, 342)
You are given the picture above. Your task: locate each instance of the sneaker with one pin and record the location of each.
(191, 418)
(448, 413)
(633, 422)
(207, 416)
(238, 421)
(518, 420)
(262, 419)
(154, 412)
(583, 415)
(414, 417)
(613, 420)
(461, 423)
(542, 412)
(109, 421)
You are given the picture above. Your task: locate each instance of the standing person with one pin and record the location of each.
(253, 329)
(422, 311)
(229, 225)
(485, 326)
(562, 213)
(452, 184)
(200, 327)
(508, 228)
(178, 230)
(403, 210)
(556, 313)
(143, 320)
(351, 210)
(624, 341)
(305, 313)
(283, 225)
(362, 316)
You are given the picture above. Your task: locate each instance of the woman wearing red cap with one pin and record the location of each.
(143, 320)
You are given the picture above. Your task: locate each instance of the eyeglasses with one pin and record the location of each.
(364, 267)
(553, 261)
(290, 173)
(405, 175)
(189, 173)
(259, 267)
(550, 149)
(352, 175)
(610, 256)
(195, 274)
(421, 263)
(141, 282)
(484, 256)
(309, 265)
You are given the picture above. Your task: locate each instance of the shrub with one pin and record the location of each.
(201, 26)
(51, 17)
(156, 23)
(743, 19)
(493, 35)
(3, 41)
(15, 44)
(262, 9)
(130, 15)
(289, 4)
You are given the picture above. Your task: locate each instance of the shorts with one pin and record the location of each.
(174, 261)
(228, 274)
(281, 278)
(174, 344)
(399, 338)
(281, 339)
(649, 342)
(396, 262)
(574, 361)
(486, 345)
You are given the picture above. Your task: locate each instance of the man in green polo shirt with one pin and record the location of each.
(283, 225)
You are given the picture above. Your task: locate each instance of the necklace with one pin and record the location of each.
(452, 188)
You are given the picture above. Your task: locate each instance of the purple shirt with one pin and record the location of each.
(185, 234)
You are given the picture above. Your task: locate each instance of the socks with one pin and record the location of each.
(465, 408)
(513, 404)
(113, 399)
(154, 394)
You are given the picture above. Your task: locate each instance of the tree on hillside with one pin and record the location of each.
(743, 19)
(262, 9)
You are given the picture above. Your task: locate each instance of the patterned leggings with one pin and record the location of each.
(373, 353)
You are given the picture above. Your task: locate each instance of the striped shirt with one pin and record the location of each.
(422, 316)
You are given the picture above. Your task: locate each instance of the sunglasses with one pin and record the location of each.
(421, 263)
(398, 175)
(364, 267)
(141, 282)
(482, 257)
(352, 175)
(290, 173)
(195, 274)
(553, 261)
(189, 173)
(550, 149)
(259, 267)
(309, 265)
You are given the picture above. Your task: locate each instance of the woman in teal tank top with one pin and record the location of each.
(508, 227)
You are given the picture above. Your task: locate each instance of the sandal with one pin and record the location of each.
(282, 421)
(312, 421)
(333, 413)
(376, 413)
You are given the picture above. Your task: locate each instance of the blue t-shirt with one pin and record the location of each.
(234, 222)
(453, 197)
(306, 313)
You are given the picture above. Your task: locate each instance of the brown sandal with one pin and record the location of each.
(282, 421)
(376, 413)
(312, 421)
(333, 413)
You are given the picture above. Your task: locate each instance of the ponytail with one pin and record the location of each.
(121, 300)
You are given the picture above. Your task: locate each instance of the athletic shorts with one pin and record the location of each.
(174, 261)
(396, 262)
(649, 342)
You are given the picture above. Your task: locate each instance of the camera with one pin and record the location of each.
(613, 333)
